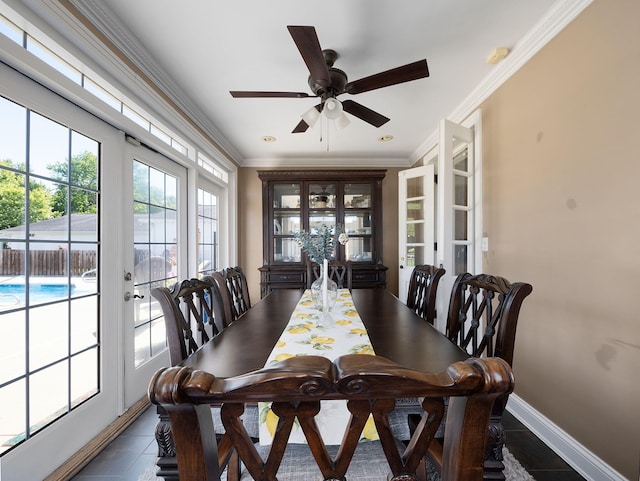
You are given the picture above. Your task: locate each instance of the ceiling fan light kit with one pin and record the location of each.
(328, 82)
(332, 108)
(311, 116)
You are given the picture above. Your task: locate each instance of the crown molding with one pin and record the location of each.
(557, 18)
(129, 55)
(321, 162)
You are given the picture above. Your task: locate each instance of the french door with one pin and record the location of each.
(459, 210)
(454, 201)
(155, 240)
(60, 338)
(416, 222)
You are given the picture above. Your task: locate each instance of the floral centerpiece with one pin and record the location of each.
(320, 245)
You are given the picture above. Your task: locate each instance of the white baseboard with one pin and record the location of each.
(575, 454)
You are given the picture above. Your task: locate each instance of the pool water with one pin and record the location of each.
(15, 294)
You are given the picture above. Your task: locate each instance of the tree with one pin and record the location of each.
(83, 180)
(13, 197)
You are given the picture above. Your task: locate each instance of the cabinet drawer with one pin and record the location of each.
(366, 276)
(293, 277)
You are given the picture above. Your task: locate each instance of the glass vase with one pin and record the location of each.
(324, 291)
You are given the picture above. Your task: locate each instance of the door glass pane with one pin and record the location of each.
(84, 323)
(155, 244)
(415, 256)
(415, 187)
(12, 344)
(460, 259)
(13, 133)
(51, 384)
(460, 225)
(207, 232)
(15, 414)
(84, 161)
(461, 190)
(84, 368)
(415, 210)
(415, 233)
(48, 144)
(48, 334)
(461, 159)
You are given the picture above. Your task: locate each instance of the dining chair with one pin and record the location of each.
(482, 320)
(340, 272)
(226, 301)
(295, 388)
(238, 290)
(194, 313)
(423, 287)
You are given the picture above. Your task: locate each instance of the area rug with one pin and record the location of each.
(513, 471)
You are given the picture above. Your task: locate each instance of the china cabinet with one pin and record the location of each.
(306, 199)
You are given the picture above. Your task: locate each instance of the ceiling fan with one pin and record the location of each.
(327, 82)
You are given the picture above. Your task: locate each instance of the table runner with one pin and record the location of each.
(310, 332)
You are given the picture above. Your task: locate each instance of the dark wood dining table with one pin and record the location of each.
(395, 331)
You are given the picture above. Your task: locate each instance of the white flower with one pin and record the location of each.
(343, 238)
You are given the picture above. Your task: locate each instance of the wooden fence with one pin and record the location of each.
(59, 262)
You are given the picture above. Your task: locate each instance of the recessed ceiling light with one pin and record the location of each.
(268, 138)
(385, 138)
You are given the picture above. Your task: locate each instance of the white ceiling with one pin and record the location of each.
(206, 48)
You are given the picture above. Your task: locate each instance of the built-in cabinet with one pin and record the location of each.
(295, 200)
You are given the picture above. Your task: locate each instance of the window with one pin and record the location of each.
(49, 293)
(207, 232)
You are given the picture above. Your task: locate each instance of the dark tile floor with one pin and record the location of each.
(134, 450)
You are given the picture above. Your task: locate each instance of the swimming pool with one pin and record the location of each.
(12, 295)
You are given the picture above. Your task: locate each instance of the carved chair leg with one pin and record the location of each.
(493, 465)
(493, 462)
(166, 462)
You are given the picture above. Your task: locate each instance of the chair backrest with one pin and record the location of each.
(369, 384)
(238, 290)
(483, 314)
(339, 272)
(226, 301)
(192, 311)
(423, 287)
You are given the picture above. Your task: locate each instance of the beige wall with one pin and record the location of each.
(561, 179)
(561, 173)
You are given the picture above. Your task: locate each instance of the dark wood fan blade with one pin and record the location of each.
(301, 127)
(241, 94)
(364, 113)
(406, 73)
(309, 46)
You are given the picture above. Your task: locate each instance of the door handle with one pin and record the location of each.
(128, 296)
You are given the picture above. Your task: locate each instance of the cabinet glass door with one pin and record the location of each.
(322, 205)
(357, 222)
(286, 221)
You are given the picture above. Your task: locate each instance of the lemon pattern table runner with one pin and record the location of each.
(310, 333)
